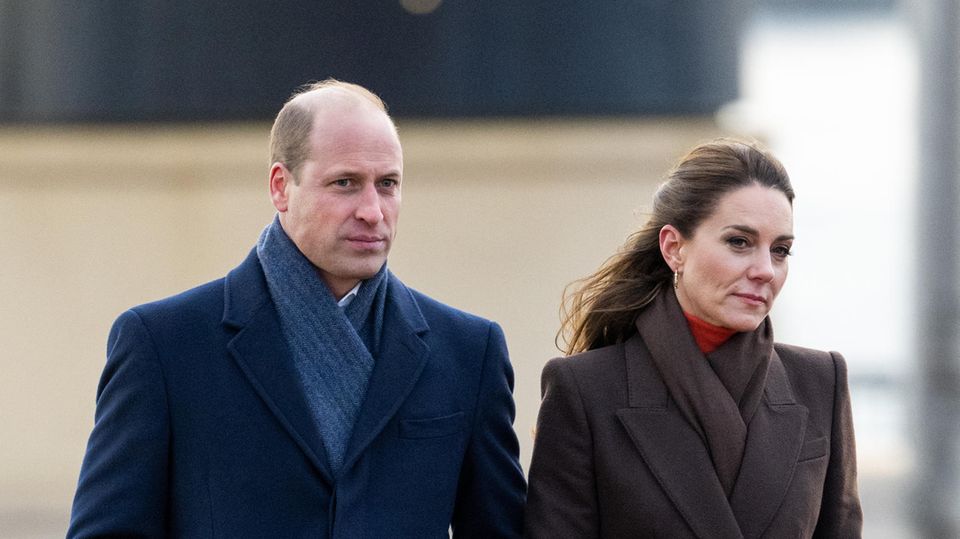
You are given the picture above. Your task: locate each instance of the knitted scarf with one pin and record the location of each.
(717, 394)
(333, 348)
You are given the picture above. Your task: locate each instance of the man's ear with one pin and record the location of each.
(280, 179)
(671, 246)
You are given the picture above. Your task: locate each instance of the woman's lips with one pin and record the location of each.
(752, 299)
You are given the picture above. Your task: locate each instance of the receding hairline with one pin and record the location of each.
(311, 95)
(296, 123)
(328, 97)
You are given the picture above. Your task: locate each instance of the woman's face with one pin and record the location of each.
(733, 267)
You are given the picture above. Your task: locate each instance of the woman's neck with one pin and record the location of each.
(708, 336)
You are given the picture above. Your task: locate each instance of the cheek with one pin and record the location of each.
(302, 210)
(780, 280)
(721, 270)
(391, 209)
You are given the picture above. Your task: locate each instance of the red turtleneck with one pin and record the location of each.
(708, 336)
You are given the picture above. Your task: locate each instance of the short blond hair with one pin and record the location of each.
(290, 134)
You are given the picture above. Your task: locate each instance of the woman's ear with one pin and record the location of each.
(671, 246)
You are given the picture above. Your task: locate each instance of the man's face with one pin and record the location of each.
(342, 214)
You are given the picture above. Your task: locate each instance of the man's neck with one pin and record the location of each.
(338, 287)
(345, 299)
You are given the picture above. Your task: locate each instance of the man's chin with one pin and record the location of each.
(368, 270)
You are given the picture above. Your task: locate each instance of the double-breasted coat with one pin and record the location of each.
(614, 457)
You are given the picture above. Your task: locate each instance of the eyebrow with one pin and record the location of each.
(352, 173)
(754, 232)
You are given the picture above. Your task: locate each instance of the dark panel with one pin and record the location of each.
(182, 60)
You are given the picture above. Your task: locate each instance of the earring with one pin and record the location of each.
(676, 279)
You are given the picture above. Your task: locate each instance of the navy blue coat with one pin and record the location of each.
(202, 428)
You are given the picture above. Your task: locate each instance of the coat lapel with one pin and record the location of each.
(402, 357)
(674, 452)
(262, 355)
(774, 439)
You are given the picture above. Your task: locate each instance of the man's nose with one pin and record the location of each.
(368, 205)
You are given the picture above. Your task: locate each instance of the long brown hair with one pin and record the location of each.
(602, 308)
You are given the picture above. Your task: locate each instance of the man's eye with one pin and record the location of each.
(342, 182)
(389, 182)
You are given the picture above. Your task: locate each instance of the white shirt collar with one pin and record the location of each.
(345, 300)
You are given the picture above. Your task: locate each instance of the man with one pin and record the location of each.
(309, 393)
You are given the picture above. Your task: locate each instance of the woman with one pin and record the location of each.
(675, 414)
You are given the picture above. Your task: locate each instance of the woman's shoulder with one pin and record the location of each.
(591, 359)
(808, 362)
(791, 352)
(599, 363)
(598, 376)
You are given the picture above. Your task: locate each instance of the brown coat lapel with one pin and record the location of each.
(774, 438)
(672, 449)
(678, 458)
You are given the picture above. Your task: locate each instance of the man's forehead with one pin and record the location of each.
(366, 135)
(335, 127)
(338, 105)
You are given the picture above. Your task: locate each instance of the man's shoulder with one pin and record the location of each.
(205, 299)
(210, 297)
(437, 311)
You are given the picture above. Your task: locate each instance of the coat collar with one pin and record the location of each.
(403, 354)
(679, 460)
(674, 452)
(262, 354)
(774, 440)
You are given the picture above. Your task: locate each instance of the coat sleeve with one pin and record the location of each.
(122, 489)
(562, 501)
(492, 488)
(840, 513)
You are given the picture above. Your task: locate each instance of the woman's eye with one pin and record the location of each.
(737, 242)
(782, 251)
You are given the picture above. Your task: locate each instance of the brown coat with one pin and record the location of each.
(614, 457)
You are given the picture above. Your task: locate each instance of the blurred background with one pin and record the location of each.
(133, 165)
